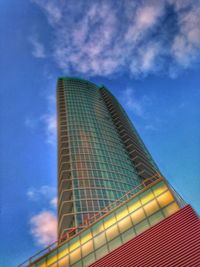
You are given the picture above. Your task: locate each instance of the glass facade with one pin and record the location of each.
(95, 167)
(129, 219)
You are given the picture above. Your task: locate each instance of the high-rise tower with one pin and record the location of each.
(100, 154)
(103, 163)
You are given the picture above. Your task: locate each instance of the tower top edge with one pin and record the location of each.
(69, 78)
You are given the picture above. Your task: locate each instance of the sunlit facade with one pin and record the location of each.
(100, 155)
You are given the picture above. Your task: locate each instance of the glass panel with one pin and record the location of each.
(134, 204)
(41, 263)
(115, 243)
(77, 264)
(85, 236)
(64, 262)
(112, 232)
(75, 256)
(156, 217)
(101, 252)
(172, 208)
(141, 227)
(99, 240)
(125, 224)
(146, 196)
(121, 212)
(110, 220)
(52, 258)
(62, 251)
(151, 207)
(159, 188)
(128, 235)
(165, 199)
(87, 248)
(74, 243)
(89, 260)
(97, 228)
(138, 216)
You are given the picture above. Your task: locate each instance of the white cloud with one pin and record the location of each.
(132, 103)
(54, 202)
(50, 124)
(38, 49)
(90, 39)
(44, 228)
(43, 192)
(52, 9)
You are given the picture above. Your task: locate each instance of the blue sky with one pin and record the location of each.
(146, 52)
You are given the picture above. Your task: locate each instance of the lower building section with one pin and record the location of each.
(173, 242)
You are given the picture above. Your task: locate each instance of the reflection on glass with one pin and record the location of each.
(137, 216)
(115, 243)
(75, 255)
(125, 224)
(112, 232)
(134, 204)
(151, 207)
(159, 188)
(121, 213)
(141, 227)
(165, 199)
(110, 220)
(87, 248)
(146, 196)
(99, 240)
(172, 208)
(128, 235)
(156, 218)
(64, 262)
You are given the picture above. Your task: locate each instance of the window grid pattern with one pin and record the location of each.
(99, 164)
(122, 224)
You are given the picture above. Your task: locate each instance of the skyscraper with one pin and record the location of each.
(100, 154)
(114, 208)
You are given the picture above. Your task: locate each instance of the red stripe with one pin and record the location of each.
(174, 241)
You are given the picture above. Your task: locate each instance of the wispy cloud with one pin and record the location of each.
(54, 201)
(137, 37)
(45, 191)
(44, 228)
(131, 102)
(47, 121)
(50, 124)
(38, 49)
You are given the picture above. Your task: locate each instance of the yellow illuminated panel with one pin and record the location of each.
(159, 188)
(121, 213)
(146, 196)
(42, 264)
(165, 199)
(172, 208)
(64, 262)
(151, 207)
(98, 228)
(53, 259)
(112, 232)
(87, 248)
(86, 238)
(74, 245)
(110, 221)
(99, 240)
(133, 206)
(63, 253)
(75, 255)
(138, 216)
(125, 224)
